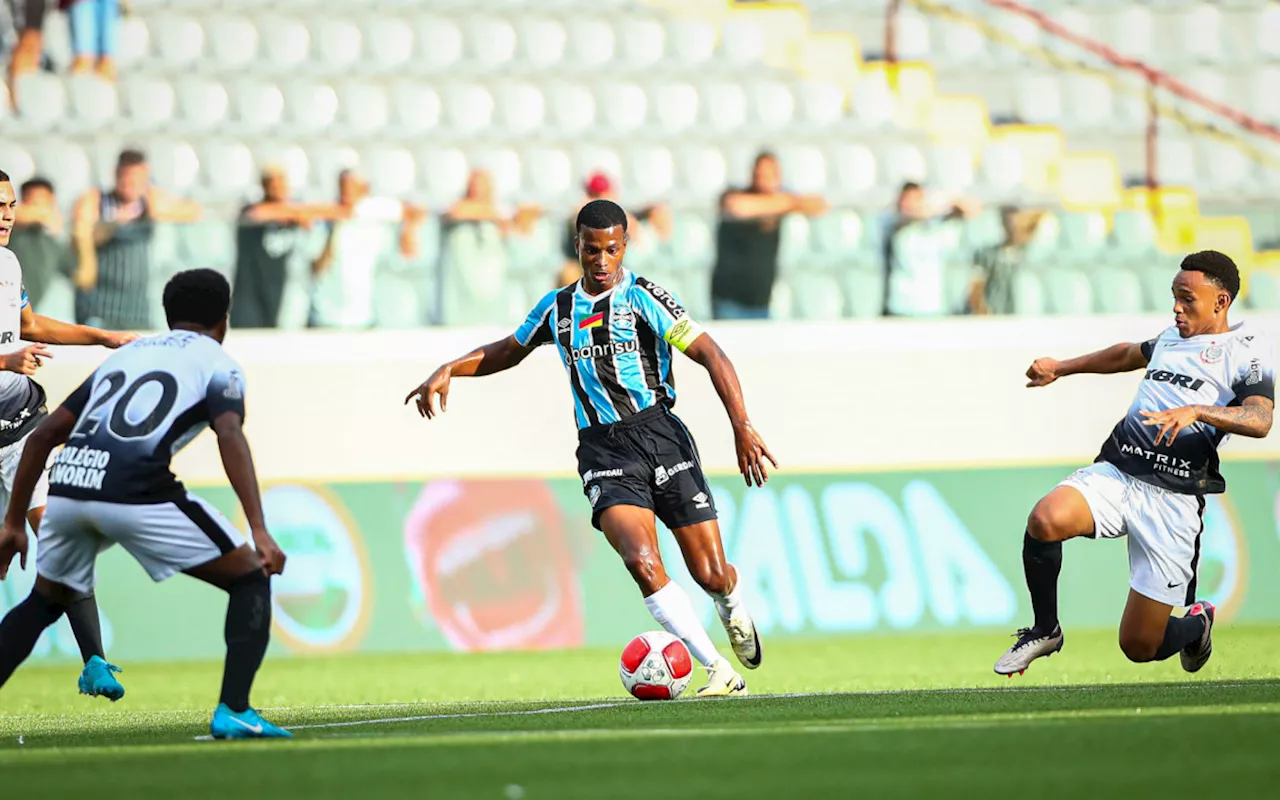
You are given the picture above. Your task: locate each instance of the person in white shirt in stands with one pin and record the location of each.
(343, 275)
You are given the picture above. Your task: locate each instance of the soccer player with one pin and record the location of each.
(1205, 379)
(113, 483)
(22, 407)
(614, 331)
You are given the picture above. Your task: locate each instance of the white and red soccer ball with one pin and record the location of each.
(656, 666)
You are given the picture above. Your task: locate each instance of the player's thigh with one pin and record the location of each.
(1143, 625)
(1164, 533)
(681, 494)
(228, 568)
(173, 537)
(69, 544)
(1089, 502)
(632, 532)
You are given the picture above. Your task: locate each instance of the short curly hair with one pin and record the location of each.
(601, 215)
(197, 297)
(1217, 268)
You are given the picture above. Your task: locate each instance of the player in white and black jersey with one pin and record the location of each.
(22, 407)
(112, 484)
(1204, 380)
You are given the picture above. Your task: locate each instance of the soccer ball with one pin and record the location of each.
(656, 666)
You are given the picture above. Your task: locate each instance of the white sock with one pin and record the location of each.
(671, 608)
(726, 604)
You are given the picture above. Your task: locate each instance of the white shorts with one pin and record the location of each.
(10, 456)
(165, 538)
(1163, 527)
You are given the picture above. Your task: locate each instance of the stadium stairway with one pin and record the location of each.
(1033, 162)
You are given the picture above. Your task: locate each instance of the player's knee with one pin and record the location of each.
(1138, 647)
(1048, 522)
(645, 567)
(712, 576)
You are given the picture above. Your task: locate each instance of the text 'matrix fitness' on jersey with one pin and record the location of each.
(1213, 370)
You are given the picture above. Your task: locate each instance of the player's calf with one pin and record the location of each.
(22, 626)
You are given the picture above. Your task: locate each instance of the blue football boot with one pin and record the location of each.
(228, 724)
(98, 680)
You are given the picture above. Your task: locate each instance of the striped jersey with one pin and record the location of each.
(615, 346)
(121, 299)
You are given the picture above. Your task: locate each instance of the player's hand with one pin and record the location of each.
(27, 360)
(269, 552)
(13, 542)
(752, 453)
(437, 384)
(1042, 372)
(115, 339)
(1171, 422)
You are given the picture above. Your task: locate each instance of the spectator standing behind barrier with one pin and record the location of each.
(37, 240)
(112, 238)
(93, 36)
(28, 17)
(747, 241)
(992, 290)
(343, 275)
(915, 255)
(267, 236)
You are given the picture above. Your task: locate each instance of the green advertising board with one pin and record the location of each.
(514, 563)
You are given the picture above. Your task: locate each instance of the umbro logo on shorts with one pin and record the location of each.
(701, 500)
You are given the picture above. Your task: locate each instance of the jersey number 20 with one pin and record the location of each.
(119, 425)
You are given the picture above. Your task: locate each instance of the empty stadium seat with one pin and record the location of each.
(652, 172)
(591, 42)
(174, 165)
(17, 161)
(93, 101)
(232, 168)
(389, 43)
(548, 171)
(723, 106)
(542, 41)
(794, 252)
(468, 107)
(675, 107)
(65, 164)
(1028, 294)
(392, 171)
(1117, 291)
(205, 105)
(692, 242)
(440, 43)
(702, 172)
(854, 170)
(504, 167)
(338, 44)
(259, 106)
(772, 104)
(572, 107)
(492, 42)
(691, 42)
(1264, 290)
(312, 106)
(643, 42)
(365, 107)
(820, 103)
(415, 107)
(42, 101)
(1067, 292)
(816, 296)
(233, 41)
(178, 40)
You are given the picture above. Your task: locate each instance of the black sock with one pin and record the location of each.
(1042, 561)
(21, 628)
(82, 613)
(1180, 632)
(248, 631)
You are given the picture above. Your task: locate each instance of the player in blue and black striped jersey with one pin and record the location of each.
(614, 331)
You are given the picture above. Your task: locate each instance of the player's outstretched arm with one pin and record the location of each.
(1251, 418)
(46, 330)
(237, 460)
(1117, 358)
(53, 431)
(752, 451)
(486, 360)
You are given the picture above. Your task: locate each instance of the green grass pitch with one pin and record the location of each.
(867, 717)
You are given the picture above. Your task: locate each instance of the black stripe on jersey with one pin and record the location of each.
(1195, 559)
(182, 425)
(662, 297)
(564, 311)
(649, 359)
(196, 513)
(607, 368)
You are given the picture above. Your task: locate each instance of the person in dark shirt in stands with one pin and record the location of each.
(37, 240)
(267, 236)
(748, 238)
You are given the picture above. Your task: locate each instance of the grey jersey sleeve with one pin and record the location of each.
(1255, 373)
(225, 392)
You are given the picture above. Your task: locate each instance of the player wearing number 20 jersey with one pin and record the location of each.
(140, 408)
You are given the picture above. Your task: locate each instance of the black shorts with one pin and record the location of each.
(650, 461)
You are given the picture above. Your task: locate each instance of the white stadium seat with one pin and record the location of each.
(623, 106)
(542, 41)
(742, 41)
(292, 158)
(493, 42)
(389, 43)
(772, 103)
(365, 107)
(853, 169)
(415, 106)
(805, 168)
(149, 102)
(548, 171)
(820, 103)
(652, 171)
(233, 41)
(913, 36)
(643, 42)
(93, 101)
(133, 40)
(691, 42)
(591, 42)
(952, 167)
(443, 174)
(675, 107)
(504, 167)
(440, 43)
(42, 101)
(900, 163)
(178, 39)
(338, 44)
(284, 41)
(204, 102)
(312, 106)
(724, 106)
(468, 107)
(174, 165)
(1200, 34)
(260, 105)
(703, 171)
(227, 168)
(520, 106)
(572, 107)
(391, 171)
(66, 165)
(327, 161)
(1087, 101)
(589, 158)
(1038, 98)
(17, 161)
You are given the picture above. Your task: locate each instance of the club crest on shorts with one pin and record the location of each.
(593, 494)
(1212, 354)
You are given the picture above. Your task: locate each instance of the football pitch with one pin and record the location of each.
(874, 716)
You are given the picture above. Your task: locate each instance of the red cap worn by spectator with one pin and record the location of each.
(599, 184)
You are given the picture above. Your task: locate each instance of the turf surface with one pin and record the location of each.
(906, 716)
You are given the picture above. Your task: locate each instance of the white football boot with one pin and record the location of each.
(1032, 644)
(723, 681)
(744, 639)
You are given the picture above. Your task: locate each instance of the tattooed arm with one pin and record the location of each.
(1251, 418)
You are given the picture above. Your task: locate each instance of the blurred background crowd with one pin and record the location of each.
(400, 164)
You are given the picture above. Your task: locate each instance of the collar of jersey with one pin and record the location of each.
(582, 292)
